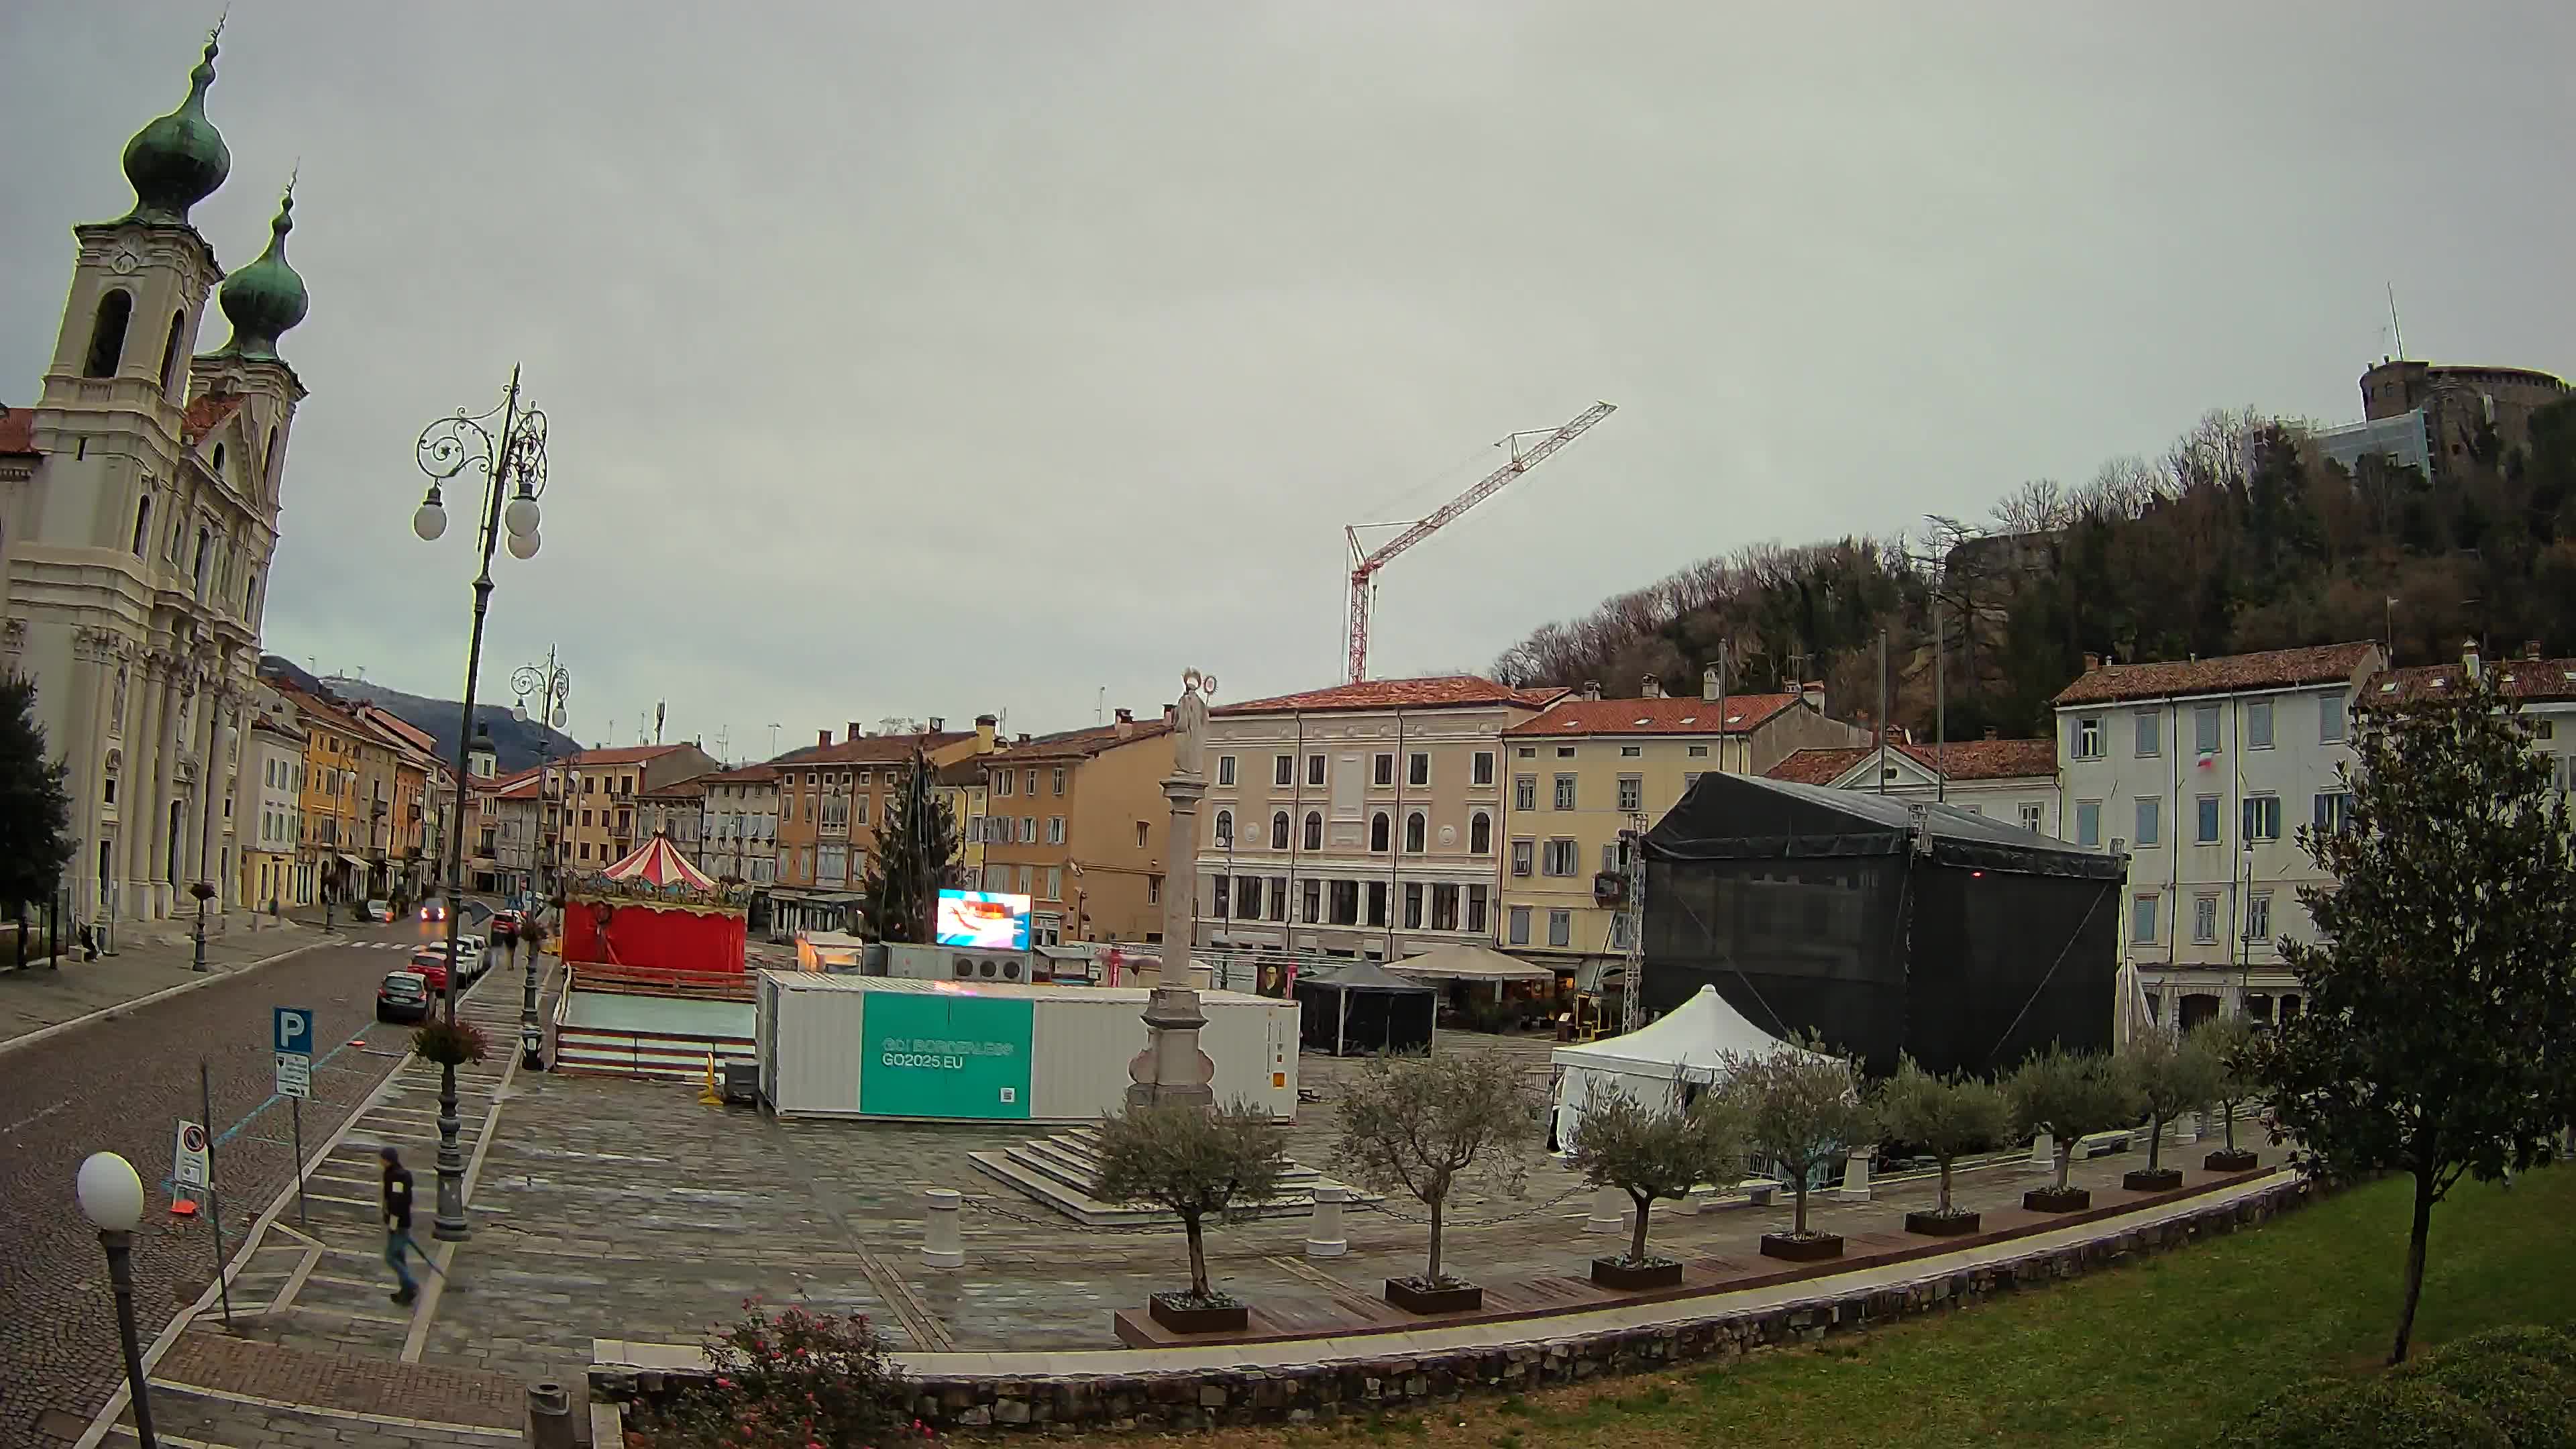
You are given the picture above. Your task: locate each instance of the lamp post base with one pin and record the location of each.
(449, 1226)
(120, 1277)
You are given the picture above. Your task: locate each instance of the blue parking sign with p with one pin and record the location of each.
(294, 1030)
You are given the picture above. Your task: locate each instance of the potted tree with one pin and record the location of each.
(1802, 1108)
(2169, 1076)
(1192, 1162)
(2066, 1095)
(2230, 1043)
(1422, 1125)
(1947, 1117)
(1651, 1153)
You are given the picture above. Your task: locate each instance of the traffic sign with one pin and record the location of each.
(189, 1161)
(291, 1033)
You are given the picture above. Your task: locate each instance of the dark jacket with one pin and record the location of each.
(397, 1198)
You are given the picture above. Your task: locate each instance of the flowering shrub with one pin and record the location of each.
(792, 1379)
(451, 1044)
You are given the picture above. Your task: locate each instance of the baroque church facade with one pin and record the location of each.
(138, 515)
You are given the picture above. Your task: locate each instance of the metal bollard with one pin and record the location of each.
(1609, 1211)
(941, 1247)
(2043, 1152)
(1855, 1186)
(1324, 1235)
(550, 1421)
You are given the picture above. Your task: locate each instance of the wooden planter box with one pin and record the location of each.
(1413, 1298)
(2053, 1200)
(1176, 1312)
(2240, 1160)
(1937, 1225)
(1635, 1277)
(1802, 1250)
(2159, 1179)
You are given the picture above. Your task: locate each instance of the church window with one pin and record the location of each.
(142, 524)
(170, 352)
(250, 594)
(107, 334)
(205, 551)
(219, 460)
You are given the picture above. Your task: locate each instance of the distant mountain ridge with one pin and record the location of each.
(516, 744)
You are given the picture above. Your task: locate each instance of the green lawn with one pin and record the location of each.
(2162, 1353)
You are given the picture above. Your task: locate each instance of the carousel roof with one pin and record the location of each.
(657, 863)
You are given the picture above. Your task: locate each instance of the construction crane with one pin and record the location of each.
(1366, 562)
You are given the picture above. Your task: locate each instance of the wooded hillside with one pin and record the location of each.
(2239, 537)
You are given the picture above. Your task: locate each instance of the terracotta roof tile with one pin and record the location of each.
(17, 430)
(1962, 759)
(747, 775)
(2532, 679)
(622, 755)
(871, 749)
(1693, 716)
(1435, 692)
(2227, 674)
(1080, 744)
(206, 413)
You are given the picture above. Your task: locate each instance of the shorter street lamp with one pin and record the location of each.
(204, 893)
(111, 1197)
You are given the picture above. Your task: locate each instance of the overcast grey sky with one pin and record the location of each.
(935, 358)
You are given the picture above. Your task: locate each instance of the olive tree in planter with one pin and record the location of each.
(2230, 1043)
(2169, 1076)
(1422, 1125)
(1802, 1109)
(1650, 1153)
(1947, 1117)
(1191, 1162)
(2068, 1095)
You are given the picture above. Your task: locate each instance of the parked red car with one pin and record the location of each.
(432, 966)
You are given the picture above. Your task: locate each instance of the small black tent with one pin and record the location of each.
(1887, 925)
(1361, 1009)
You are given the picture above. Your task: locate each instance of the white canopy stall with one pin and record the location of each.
(1662, 1064)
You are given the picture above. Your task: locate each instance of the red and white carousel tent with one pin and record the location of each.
(657, 864)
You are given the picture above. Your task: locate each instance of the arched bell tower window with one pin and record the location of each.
(219, 460)
(205, 551)
(170, 353)
(142, 524)
(107, 334)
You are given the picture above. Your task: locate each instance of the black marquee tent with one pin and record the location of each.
(1361, 1009)
(1886, 925)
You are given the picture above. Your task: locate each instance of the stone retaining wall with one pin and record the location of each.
(1207, 1398)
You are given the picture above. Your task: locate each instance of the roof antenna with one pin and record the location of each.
(2392, 320)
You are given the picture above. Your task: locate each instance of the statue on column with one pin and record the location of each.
(1172, 1068)
(1189, 722)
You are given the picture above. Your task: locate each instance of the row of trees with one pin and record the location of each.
(2238, 537)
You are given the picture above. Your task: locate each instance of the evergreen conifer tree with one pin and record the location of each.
(916, 858)
(35, 809)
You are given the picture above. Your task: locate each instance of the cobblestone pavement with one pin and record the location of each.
(123, 1084)
(41, 996)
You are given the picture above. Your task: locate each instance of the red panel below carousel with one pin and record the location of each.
(653, 936)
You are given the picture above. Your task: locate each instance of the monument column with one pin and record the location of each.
(1172, 1070)
(134, 794)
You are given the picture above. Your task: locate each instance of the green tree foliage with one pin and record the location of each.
(1191, 1162)
(2239, 537)
(916, 859)
(35, 810)
(1802, 1108)
(1948, 1117)
(1422, 1125)
(2168, 1076)
(2440, 1006)
(2230, 1043)
(1654, 1152)
(2069, 1095)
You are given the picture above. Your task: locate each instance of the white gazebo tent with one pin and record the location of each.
(1470, 963)
(1660, 1064)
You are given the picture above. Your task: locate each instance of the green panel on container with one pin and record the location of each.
(938, 1054)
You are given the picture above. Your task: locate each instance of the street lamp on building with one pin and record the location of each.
(513, 465)
(111, 1197)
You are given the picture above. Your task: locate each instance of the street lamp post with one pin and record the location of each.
(516, 458)
(551, 687)
(111, 1197)
(204, 893)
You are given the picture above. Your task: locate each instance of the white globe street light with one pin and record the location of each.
(111, 1197)
(523, 545)
(430, 519)
(521, 516)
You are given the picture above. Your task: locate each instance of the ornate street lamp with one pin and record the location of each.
(551, 686)
(111, 1197)
(513, 465)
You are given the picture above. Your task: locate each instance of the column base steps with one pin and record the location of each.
(1058, 1171)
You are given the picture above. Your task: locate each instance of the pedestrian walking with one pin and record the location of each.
(397, 1211)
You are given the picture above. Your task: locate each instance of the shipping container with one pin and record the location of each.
(877, 1046)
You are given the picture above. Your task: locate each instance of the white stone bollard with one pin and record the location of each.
(1855, 1186)
(1609, 1211)
(941, 1247)
(2043, 1152)
(1324, 1235)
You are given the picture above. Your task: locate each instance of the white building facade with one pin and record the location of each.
(272, 816)
(2014, 781)
(740, 834)
(2202, 772)
(138, 513)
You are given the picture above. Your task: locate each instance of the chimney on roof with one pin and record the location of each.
(1023, 739)
(822, 737)
(1592, 689)
(1814, 694)
(1171, 712)
(2469, 658)
(2530, 648)
(2092, 662)
(938, 724)
(855, 731)
(1651, 688)
(1993, 733)
(1126, 723)
(1708, 684)
(985, 728)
